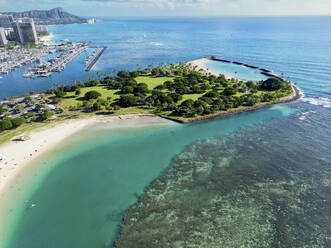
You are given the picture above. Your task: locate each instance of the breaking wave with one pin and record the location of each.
(320, 101)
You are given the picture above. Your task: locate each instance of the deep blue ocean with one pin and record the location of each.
(299, 47)
(267, 172)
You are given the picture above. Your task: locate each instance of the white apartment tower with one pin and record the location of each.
(25, 31)
(3, 39)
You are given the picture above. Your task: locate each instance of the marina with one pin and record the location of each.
(46, 60)
(10, 59)
(58, 64)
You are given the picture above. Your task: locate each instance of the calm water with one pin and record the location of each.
(235, 71)
(82, 200)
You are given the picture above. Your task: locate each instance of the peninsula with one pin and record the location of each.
(175, 92)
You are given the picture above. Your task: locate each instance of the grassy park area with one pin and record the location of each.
(177, 92)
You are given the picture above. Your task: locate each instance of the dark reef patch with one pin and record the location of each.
(257, 188)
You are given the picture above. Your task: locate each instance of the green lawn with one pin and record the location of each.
(194, 97)
(152, 82)
(72, 100)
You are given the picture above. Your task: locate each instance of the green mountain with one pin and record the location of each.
(49, 17)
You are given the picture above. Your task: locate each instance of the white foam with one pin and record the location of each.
(304, 115)
(301, 93)
(320, 101)
(156, 44)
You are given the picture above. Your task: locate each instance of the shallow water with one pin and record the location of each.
(235, 71)
(259, 187)
(81, 201)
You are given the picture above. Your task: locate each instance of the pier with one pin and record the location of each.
(96, 58)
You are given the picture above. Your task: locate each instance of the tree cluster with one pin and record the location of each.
(11, 123)
(217, 92)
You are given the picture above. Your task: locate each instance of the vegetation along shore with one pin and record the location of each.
(181, 92)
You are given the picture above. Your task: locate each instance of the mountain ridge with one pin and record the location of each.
(49, 17)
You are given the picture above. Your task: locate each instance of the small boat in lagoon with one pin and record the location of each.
(32, 206)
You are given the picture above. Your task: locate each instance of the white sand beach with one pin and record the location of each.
(200, 65)
(15, 155)
(17, 167)
(47, 39)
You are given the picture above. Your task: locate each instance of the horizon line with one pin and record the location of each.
(204, 16)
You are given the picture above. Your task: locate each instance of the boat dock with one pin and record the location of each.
(58, 64)
(96, 58)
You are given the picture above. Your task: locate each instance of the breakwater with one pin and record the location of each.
(95, 60)
(263, 71)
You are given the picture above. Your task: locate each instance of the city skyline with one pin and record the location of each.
(177, 7)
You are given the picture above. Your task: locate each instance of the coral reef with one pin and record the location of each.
(245, 190)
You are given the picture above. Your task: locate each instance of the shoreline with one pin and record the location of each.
(295, 96)
(19, 167)
(47, 40)
(15, 156)
(199, 65)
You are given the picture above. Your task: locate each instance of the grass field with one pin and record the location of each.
(194, 97)
(72, 100)
(152, 82)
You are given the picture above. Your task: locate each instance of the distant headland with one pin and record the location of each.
(49, 17)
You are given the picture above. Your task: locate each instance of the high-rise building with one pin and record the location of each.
(6, 21)
(10, 35)
(3, 39)
(25, 31)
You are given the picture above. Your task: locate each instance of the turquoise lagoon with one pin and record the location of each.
(101, 172)
(235, 71)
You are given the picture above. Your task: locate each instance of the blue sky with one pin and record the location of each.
(175, 7)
